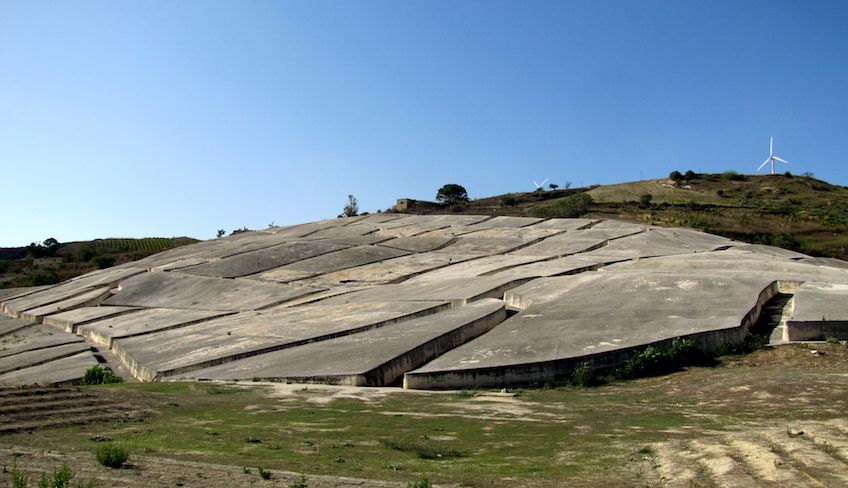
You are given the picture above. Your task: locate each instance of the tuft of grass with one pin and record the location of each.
(265, 475)
(112, 456)
(421, 482)
(422, 450)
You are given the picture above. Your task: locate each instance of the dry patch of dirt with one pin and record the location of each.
(27, 409)
(150, 471)
(799, 454)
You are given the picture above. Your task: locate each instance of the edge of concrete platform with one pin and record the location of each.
(557, 371)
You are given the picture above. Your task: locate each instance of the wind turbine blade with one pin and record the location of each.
(764, 163)
(543, 183)
(771, 146)
(534, 182)
(781, 160)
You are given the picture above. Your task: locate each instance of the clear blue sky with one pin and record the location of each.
(164, 118)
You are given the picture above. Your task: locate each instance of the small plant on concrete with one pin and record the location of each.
(352, 207)
(112, 456)
(421, 482)
(97, 375)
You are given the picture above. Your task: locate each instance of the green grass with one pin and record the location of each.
(541, 436)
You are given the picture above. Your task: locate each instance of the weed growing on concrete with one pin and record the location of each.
(112, 456)
(97, 375)
(421, 482)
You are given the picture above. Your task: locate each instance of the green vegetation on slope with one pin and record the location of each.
(51, 262)
(799, 213)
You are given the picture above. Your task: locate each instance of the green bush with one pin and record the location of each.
(569, 207)
(97, 375)
(583, 375)
(733, 176)
(102, 261)
(653, 362)
(421, 482)
(508, 201)
(112, 456)
(645, 200)
(43, 278)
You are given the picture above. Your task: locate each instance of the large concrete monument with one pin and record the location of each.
(424, 301)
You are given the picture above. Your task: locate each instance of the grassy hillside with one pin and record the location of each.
(52, 262)
(795, 212)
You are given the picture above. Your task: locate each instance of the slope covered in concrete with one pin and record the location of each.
(434, 301)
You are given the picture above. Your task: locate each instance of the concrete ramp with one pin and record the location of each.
(235, 337)
(174, 290)
(376, 357)
(597, 319)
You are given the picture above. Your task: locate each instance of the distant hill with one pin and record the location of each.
(51, 262)
(799, 213)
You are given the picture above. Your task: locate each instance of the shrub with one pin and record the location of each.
(653, 362)
(645, 200)
(690, 175)
(97, 375)
(583, 375)
(43, 278)
(733, 175)
(265, 475)
(508, 201)
(112, 456)
(102, 261)
(675, 176)
(352, 207)
(569, 207)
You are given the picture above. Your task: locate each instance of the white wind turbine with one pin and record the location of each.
(772, 158)
(540, 185)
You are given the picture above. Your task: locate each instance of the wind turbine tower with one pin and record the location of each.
(772, 158)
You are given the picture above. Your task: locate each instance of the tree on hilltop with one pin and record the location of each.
(451, 194)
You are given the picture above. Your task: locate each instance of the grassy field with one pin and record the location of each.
(648, 432)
